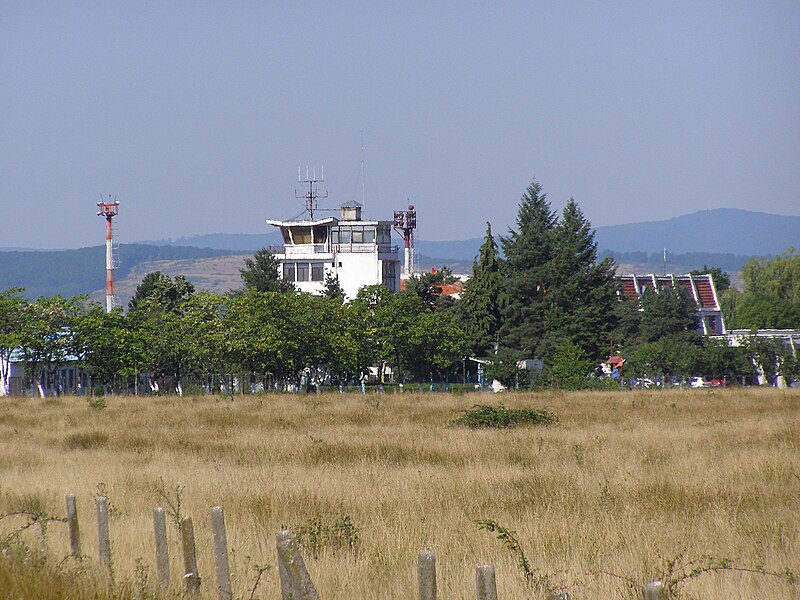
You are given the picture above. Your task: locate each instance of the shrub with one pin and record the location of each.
(482, 416)
(314, 535)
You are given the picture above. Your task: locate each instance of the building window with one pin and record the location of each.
(288, 271)
(344, 235)
(301, 235)
(358, 235)
(389, 269)
(384, 234)
(317, 272)
(320, 234)
(302, 271)
(369, 235)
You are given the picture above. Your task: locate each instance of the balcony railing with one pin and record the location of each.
(305, 249)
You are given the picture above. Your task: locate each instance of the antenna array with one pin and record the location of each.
(312, 194)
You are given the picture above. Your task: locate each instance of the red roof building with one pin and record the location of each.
(699, 287)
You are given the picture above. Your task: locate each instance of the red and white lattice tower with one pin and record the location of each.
(109, 210)
(405, 222)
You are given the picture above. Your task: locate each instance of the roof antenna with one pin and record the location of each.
(363, 185)
(311, 195)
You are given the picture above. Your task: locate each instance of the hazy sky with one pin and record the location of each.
(196, 115)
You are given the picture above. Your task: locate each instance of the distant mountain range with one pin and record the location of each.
(724, 237)
(724, 231)
(719, 231)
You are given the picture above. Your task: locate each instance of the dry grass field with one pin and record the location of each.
(622, 486)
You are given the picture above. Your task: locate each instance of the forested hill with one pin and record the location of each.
(723, 231)
(82, 271)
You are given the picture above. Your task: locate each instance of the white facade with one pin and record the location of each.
(789, 338)
(359, 252)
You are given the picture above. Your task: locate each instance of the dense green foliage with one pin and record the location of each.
(483, 416)
(260, 273)
(557, 290)
(771, 295)
(549, 297)
(484, 298)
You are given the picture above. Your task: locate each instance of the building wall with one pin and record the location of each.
(354, 269)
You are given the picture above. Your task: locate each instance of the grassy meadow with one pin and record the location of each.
(620, 490)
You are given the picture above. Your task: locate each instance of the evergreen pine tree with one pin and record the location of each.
(484, 298)
(528, 280)
(580, 307)
(261, 273)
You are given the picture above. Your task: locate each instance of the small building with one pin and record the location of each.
(788, 338)
(699, 287)
(357, 251)
(68, 378)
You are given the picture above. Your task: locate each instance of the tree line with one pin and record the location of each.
(549, 296)
(546, 295)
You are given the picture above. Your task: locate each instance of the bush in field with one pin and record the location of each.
(483, 416)
(313, 535)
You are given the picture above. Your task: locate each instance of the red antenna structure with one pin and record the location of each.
(405, 222)
(109, 210)
(312, 195)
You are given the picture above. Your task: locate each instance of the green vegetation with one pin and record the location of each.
(483, 416)
(260, 273)
(550, 297)
(485, 298)
(771, 295)
(313, 535)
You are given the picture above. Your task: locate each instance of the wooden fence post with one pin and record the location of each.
(224, 591)
(485, 583)
(191, 576)
(74, 531)
(426, 575)
(103, 539)
(296, 583)
(162, 548)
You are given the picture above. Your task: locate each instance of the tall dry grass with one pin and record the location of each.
(624, 483)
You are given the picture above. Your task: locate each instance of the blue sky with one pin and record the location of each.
(196, 115)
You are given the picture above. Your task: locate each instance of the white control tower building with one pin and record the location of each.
(358, 251)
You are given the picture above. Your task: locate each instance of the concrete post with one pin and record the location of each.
(190, 574)
(103, 539)
(296, 582)
(485, 583)
(72, 521)
(224, 591)
(426, 575)
(162, 548)
(654, 590)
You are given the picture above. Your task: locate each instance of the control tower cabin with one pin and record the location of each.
(359, 252)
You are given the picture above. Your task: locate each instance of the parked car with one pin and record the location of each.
(717, 383)
(698, 382)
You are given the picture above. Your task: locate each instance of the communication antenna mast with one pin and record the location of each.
(405, 222)
(363, 183)
(311, 195)
(109, 210)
